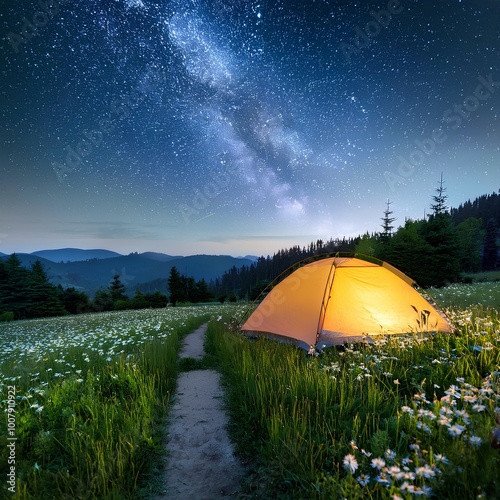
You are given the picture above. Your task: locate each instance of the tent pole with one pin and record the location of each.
(326, 299)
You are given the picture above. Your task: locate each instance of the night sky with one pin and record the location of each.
(239, 126)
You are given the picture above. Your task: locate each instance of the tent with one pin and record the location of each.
(343, 299)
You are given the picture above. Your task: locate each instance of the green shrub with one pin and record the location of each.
(7, 316)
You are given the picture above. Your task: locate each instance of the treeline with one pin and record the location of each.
(440, 249)
(27, 293)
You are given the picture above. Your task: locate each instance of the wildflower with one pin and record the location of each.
(441, 458)
(353, 445)
(425, 471)
(39, 409)
(407, 409)
(396, 381)
(377, 463)
(475, 440)
(479, 408)
(350, 463)
(444, 410)
(463, 415)
(456, 430)
(395, 472)
(363, 479)
(390, 455)
(382, 479)
(453, 391)
(444, 421)
(426, 490)
(366, 453)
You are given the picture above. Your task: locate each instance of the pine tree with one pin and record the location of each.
(13, 294)
(176, 286)
(75, 301)
(43, 297)
(439, 206)
(387, 223)
(103, 301)
(490, 251)
(117, 289)
(441, 234)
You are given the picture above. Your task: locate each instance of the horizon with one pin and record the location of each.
(240, 128)
(235, 254)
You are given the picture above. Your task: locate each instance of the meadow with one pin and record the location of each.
(84, 399)
(405, 417)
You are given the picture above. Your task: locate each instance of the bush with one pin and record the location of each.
(7, 316)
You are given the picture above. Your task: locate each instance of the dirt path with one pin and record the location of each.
(200, 463)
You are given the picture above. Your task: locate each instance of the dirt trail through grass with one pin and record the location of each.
(200, 457)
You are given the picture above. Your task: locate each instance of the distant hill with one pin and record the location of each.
(74, 254)
(2, 254)
(162, 257)
(253, 258)
(90, 275)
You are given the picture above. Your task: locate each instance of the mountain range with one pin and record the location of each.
(89, 270)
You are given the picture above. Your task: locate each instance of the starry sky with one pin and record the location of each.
(239, 126)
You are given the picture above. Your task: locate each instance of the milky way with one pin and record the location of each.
(240, 126)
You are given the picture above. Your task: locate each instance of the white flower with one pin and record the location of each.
(363, 480)
(407, 409)
(425, 471)
(441, 458)
(456, 430)
(350, 463)
(475, 440)
(389, 454)
(377, 463)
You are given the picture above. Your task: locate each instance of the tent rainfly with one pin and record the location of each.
(343, 299)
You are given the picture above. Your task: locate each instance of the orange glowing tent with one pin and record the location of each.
(343, 299)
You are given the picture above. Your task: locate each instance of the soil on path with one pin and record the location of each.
(200, 457)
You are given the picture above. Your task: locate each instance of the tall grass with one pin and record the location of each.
(89, 416)
(320, 427)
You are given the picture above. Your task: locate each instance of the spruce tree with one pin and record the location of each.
(441, 234)
(117, 289)
(387, 221)
(176, 287)
(490, 248)
(13, 295)
(43, 297)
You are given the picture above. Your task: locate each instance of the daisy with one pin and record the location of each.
(456, 430)
(475, 440)
(350, 463)
(377, 463)
(363, 480)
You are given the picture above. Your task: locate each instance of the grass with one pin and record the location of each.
(91, 394)
(403, 417)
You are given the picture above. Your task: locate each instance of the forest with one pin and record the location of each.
(448, 246)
